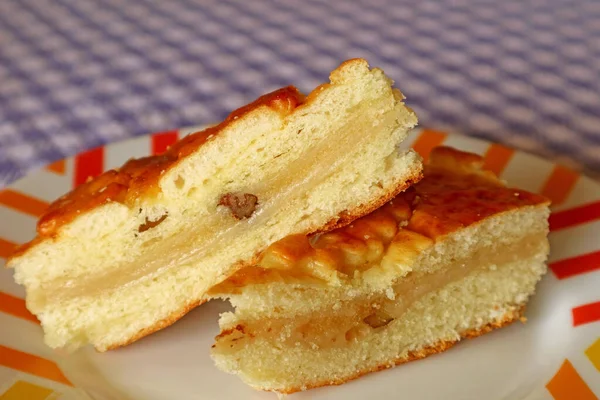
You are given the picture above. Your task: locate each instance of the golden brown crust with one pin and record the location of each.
(138, 178)
(439, 347)
(346, 219)
(294, 247)
(456, 192)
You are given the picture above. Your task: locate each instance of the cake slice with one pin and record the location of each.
(133, 250)
(456, 255)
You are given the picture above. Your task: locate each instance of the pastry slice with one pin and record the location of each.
(455, 256)
(133, 250)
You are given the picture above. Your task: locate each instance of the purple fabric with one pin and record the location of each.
(77, 74)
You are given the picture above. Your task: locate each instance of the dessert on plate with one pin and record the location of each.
(134, 249)
(455, 256)
(340, 252)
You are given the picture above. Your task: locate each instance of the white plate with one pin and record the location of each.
(555, 355)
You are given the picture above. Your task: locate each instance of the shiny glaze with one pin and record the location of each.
(455, 192)
(138, 178)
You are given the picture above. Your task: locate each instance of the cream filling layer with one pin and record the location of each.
(362, 316)
(213, 233)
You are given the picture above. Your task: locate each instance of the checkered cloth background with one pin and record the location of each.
(75, 74)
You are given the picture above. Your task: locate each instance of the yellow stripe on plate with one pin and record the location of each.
(22, 390)
(593, 354)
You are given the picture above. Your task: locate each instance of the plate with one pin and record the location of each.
(555, 355)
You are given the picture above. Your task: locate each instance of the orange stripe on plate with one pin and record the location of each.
(15, 307)
(568, 385)
(6, 248)
(593, 353)
(161, 141)
(575, 266)
(88, 164)
(31, 364)
(496, 158)
(427, 140)
(23, 203)
(21, 390)
(586, 314)
(574, 216)
(559, 184)
(58, 167)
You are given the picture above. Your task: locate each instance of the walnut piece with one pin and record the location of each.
(378, 319)
(151, 224)
(242, 205)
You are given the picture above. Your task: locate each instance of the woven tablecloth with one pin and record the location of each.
(75, 74)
